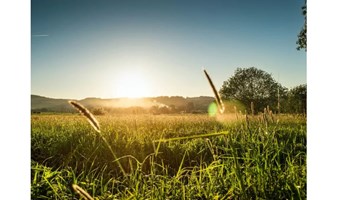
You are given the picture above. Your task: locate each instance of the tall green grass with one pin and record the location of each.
(242, 158)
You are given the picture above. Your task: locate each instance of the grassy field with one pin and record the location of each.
(137, 157)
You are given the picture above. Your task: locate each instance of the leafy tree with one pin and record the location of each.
(189, 107)
(253, 85)
(301, 42)
(98, 111)
(296, 101)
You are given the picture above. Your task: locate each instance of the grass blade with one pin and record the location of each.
(82, 192)
(218, 98)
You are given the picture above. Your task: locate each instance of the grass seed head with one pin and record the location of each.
(85, 112)
(218, 98)
(82, 192)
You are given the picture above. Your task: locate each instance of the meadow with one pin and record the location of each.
(183, 156)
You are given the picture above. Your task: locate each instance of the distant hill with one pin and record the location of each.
(45, 104)
(178, 103)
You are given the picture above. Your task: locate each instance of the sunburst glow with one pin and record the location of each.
(132, 85)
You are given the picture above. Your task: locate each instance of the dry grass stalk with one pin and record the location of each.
(265, 116)
(247, 120)
(218, 98)
(278, 101)
(90, 117)
(235, 108)
(271, 115)
(81, 192)
(252, 108)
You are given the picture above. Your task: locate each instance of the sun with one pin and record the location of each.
(132, 85)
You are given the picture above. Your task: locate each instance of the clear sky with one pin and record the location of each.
(87, 48)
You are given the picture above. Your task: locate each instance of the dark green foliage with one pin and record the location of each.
(296, 99)
(253, 85)
(302, 42)
(98, 111)
(190, 107)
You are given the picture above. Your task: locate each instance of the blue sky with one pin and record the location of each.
(87, 48)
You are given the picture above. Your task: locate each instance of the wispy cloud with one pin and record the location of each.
(40, 35)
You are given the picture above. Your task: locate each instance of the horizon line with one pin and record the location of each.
(121, 97)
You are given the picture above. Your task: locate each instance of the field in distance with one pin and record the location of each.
(250, 157)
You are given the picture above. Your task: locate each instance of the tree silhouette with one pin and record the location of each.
(301, 42)
(253, 85)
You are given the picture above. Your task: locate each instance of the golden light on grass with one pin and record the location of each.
(89, 116)
(132, 84)
(95, 124)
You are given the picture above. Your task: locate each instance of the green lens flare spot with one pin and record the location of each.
(212, 109)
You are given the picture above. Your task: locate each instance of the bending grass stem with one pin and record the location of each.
(192, 137)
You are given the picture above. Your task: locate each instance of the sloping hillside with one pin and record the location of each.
(45, 104)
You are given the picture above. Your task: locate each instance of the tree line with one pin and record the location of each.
(256, 90)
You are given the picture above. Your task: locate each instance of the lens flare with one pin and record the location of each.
(212, 109)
